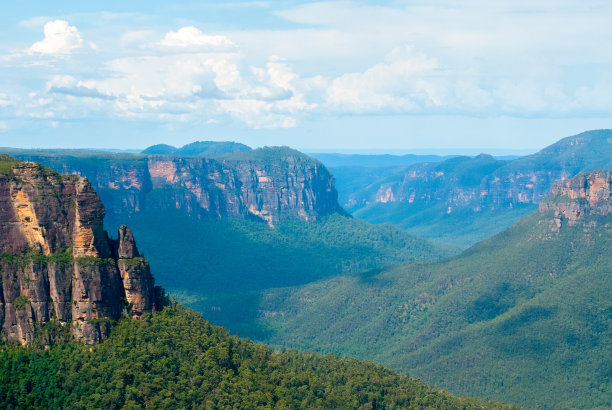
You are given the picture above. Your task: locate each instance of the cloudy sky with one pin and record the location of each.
(385, 75)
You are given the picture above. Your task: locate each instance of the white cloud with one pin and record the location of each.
(191, 37)
(188, 86)
(60, 38)
(478, 59)
(401, 84)
(6, 101)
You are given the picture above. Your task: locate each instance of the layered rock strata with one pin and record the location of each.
(58, 267)
(572, 200)
(485, 183)
(270, 184)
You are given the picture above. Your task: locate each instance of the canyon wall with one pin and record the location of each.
(59, 269)
(270, 184)
(574, 199)
(485, 183)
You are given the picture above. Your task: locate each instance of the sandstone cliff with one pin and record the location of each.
(573, 200)
(59, 270)
(485, 183)
(270, 184)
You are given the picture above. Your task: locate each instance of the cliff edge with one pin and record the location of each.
(59, 270)
(588, 193)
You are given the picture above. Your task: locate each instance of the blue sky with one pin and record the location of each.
(395, 75)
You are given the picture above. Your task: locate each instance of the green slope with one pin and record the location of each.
(461, 228)
(523, 317)
(221, 267)
(174, 359)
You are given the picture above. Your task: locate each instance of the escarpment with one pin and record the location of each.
(59, 270)
(575, 199)
(270, 184)
(485, 183)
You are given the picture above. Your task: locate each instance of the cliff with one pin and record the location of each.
(485, 183)
(59, 270)
(575, 199)
(270, 184)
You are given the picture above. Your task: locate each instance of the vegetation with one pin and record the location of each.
(523, 317)
(462, 228)
(6, 164)
(174, 359)
(266, 154)
(213, 263)
(20, 302)
(198, 148)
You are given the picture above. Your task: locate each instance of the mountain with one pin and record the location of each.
(464, 200)
(160, 149)
(62, 274)
(240, 223)
(198, 148)
(59, 269)
(522, 317)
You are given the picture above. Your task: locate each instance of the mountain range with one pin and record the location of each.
(463, 200)
(271, 212)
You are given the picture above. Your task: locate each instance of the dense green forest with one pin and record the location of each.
(461, 228)
(524, 317)
(175, 359)
(219, 262)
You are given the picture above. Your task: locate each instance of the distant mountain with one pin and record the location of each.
(160, 149)
(198, 148)
(466, 199)
(332, 160)
(269, 184)
(523, 317)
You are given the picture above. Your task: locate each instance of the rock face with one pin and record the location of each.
(270, 184)
(574, 199)
(485, 183)
(59, 269)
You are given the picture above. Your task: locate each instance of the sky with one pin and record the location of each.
(371, 76)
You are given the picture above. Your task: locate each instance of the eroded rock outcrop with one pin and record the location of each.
(574, 199)
(270, 184)
(59, 270)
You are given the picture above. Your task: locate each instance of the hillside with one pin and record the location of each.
(222, 267)
(522, 317)
(464, 200)
(174, 359)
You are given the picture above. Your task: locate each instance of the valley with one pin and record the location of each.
(256, 241)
